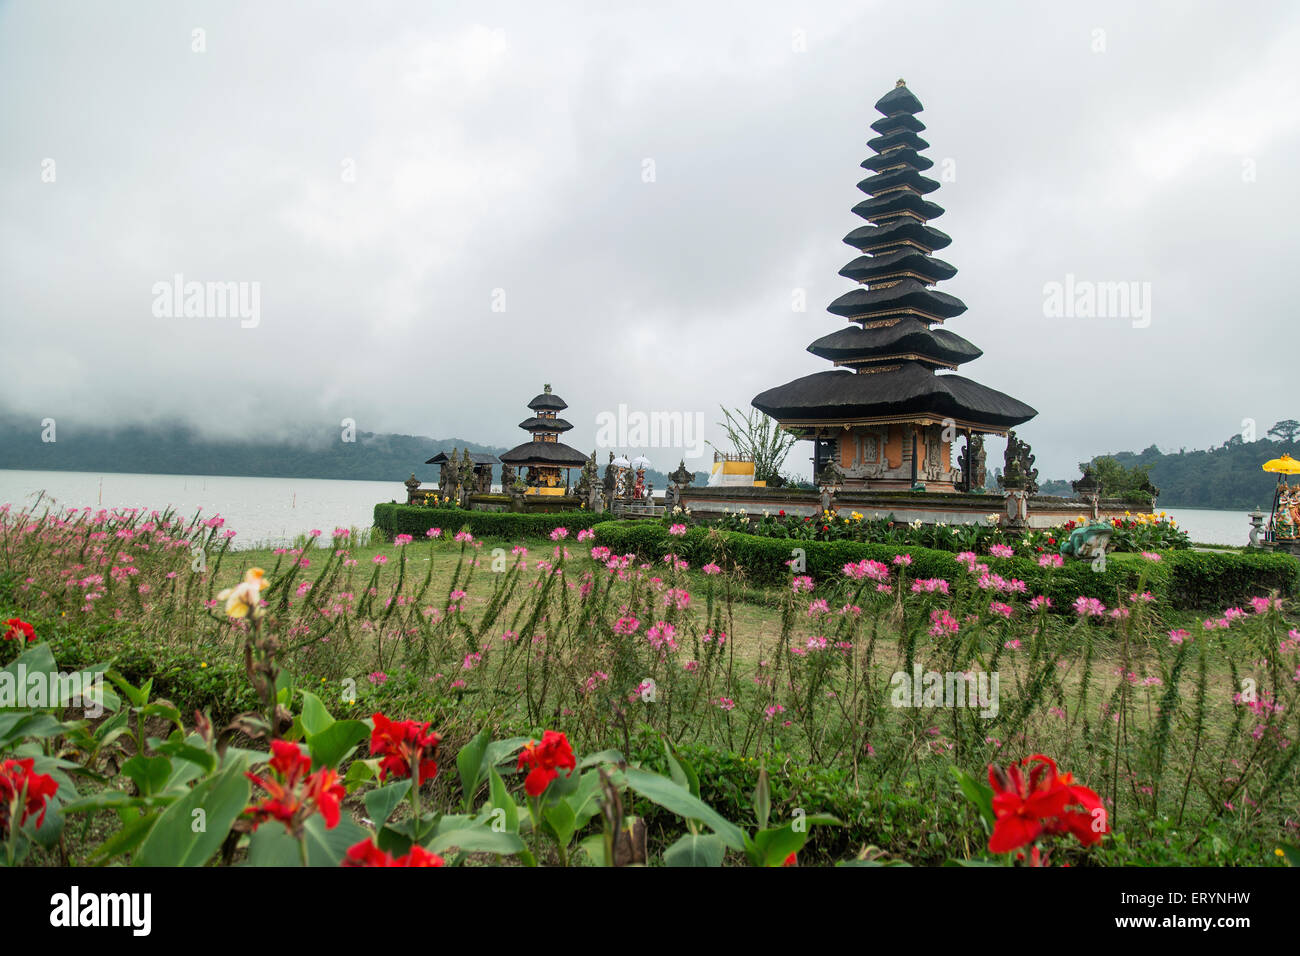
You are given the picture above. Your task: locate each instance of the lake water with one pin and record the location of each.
(276, 510)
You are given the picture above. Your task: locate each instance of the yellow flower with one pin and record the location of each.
(1278, 852)
(245, 597)
(203, 664)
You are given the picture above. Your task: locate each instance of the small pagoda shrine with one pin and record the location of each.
(545, 457)
(886, 415)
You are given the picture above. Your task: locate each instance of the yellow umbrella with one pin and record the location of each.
(1285, 465)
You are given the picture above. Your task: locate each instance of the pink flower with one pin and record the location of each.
(662, 634)
(464, 537)
(677, 529)
(902, 560)
(867, 569)
(726, 703)
(1262, 605)
(402, 539)
(586, 534)
(1050, 561)
(1003, 610)
(1088, 607)
(626, 625)
(433, 533)
(711, 568)
(1001, 550)
(930, 585)
(941, 622)
(801, 583)
(379, 559)
(559, 533)
(1178, 636)
(1150, 555)
(1041, 602)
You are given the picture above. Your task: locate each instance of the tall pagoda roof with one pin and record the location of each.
(891, 355)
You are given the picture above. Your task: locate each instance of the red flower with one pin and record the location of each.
(781, 512)
(791, 860)
(403, 746)
(24, 792)
(295, 793)
(19, 629)
(1051, 541)
(1026, 810)
(366, 853)
(554, 751)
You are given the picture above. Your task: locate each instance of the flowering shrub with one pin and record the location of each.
(589, 667)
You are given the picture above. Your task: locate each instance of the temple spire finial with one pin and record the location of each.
(901, 82)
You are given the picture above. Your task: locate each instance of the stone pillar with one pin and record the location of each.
(1256, 528)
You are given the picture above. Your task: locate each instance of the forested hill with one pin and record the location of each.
(180, 450)
(1228, 476)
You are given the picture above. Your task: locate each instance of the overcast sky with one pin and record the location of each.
(382, 170)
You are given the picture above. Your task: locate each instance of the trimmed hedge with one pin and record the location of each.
(394, 519)
(1183, 578)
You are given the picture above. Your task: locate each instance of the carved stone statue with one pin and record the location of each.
(831, 474)
(611, 476)
(412, 488)
(507, 477)
(974, 453)
(449, 480)
(936, 468)
(1018, 469)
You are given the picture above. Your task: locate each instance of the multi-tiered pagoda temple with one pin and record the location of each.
(886, 415)
(545, 456)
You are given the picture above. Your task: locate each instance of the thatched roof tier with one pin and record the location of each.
(908, 392)
(853, 345)
(545, 425)
(543, 454)
(906, 297)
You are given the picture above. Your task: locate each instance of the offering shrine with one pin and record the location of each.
(545, 457)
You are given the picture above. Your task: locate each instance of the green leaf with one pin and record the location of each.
(138, 696)
(150, 774)
(381, 803)
(1291, 854)
(134, 829)
(562, 821)
(332, 745)
(977, 793)
(594, 847)
(501, 800)
(182, 837)
(469, 764)
(670, 796)
(604, 756)
(762, 799)
(773, 847)
(472, 839)
(272, 844)
(315, 718)
(696, 849)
